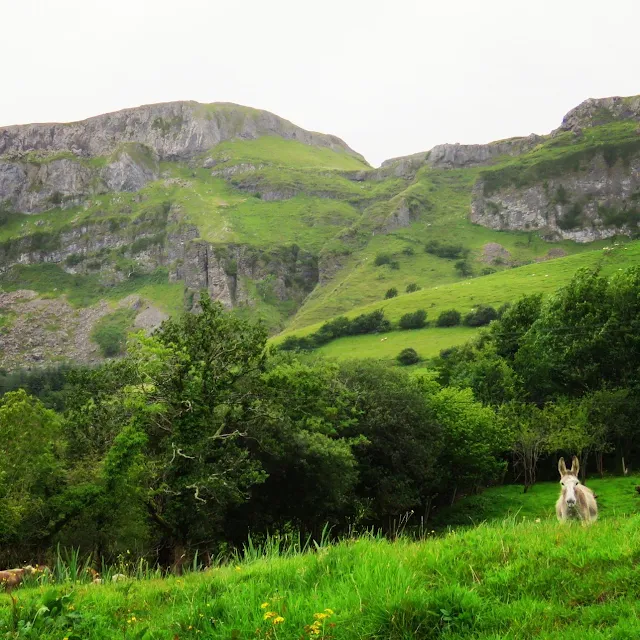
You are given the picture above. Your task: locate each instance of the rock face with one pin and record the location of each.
(596, 202)
(458, 156)
(34, 177)
(593, 112)
(173, 130)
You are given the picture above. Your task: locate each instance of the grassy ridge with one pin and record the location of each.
(494, 289)
(443, 216)
(537, 579)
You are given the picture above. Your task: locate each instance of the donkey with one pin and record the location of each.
(576, 500)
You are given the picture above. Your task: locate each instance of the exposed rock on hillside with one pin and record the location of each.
(174, 130)
(598, 201)
(596, 111)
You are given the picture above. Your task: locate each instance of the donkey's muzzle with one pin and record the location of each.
(571, 501)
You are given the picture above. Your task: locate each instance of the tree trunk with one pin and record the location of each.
(179, 558)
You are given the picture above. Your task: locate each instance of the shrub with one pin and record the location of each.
(450, 318)
(382, 258)
(394, 264)
(110, 332)
(295, 343)
(412, 287)
(373, 322)
(415, 320)
(481, 316)
(391, 293)
(408, 251)
(444, 250)
(408, 356)
(463, 268)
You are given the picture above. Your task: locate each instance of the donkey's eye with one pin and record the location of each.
(562, 483)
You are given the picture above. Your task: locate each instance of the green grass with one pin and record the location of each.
(427, 342)
(504, 580)
(86, 290)
(274, 150)
(617, 141)
(616, 497)
(494, 290)
(443, 216)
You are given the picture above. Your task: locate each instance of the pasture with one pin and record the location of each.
(506, 579)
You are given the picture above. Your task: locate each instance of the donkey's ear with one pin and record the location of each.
(562, 468)
(575, 466)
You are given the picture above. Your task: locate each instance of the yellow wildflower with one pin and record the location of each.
(269, 615)
(320, 616)
(329, 611)
(264, 605)
(278, 620)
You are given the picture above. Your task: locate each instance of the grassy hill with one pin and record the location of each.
(494, 289)
(524, 580)
(265, 198)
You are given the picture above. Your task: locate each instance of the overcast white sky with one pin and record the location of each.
(390, 77)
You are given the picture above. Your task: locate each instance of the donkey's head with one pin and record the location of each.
(569, 480)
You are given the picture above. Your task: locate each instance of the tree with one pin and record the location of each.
(450, 318)
(529, 438)
(408, 356)
(415, 320)
(411, 287)
(189, 408)
(391, 293)
(474, 441)
(480, 316)
(464, 268)
(398, 464)
(31, 472)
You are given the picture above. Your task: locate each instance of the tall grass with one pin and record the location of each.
(501, 580)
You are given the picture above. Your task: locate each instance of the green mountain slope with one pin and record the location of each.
(288, 225)
(494, 289)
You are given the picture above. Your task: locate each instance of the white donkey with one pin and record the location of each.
(576, 500)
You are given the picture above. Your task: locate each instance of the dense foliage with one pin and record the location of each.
(201, 434)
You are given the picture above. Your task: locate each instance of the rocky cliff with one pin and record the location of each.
(47, 165)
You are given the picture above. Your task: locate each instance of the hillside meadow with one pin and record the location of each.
(494, 289)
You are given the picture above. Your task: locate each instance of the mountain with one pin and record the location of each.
(114, 222)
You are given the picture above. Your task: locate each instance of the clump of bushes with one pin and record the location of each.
(480, 316)
(110, 332)
(408, 357)
(450, 318)
(446, 250)
(381, 259)
(412, 287)
(391, 293)
(373, 322)
(415, 320)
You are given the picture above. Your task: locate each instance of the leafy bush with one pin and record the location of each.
(408, 251)
(450, 318)
(391, 293)
(382, 258)
(394, 264)
(444, 250)
(481, 316)
(415, 320)
(412, 287)
(110, 332)
(373, 322)
(463, 268)
(408, 357)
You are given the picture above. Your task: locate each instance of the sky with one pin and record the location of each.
(390, 77)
